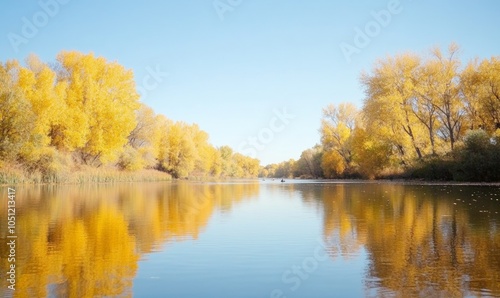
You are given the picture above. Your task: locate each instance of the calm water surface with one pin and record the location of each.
(255, 239)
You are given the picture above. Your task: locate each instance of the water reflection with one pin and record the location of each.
(86, 241)
(422, 241)
(412, 240)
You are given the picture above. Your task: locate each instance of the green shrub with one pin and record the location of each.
(433, 168)
(479, 159)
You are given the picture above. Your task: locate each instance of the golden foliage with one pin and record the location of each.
(17, 119)
(104, 93)
(416, 108)
(332, 163)
(88, 108)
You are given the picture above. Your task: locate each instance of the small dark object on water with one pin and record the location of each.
(282, 180)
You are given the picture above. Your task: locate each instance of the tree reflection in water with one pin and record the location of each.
(86, 241)
(421, 240)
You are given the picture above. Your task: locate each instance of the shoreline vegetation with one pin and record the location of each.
(424, 117)
(15, 176)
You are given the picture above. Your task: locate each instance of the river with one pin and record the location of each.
(253, 238)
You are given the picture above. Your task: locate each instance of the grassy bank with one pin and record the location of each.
(10, 175)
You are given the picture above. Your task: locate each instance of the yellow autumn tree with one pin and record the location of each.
(39, 85)
(215, 161)
(309, 163)
(103, 99)
(490, 74)
(332, 164)
(480, 88)
(471, 90)
(245, 166)
(180, 156)
(337, 126)
(204, 156)
(390, 96)
(444, 93)
(370, 154)
(142, 148)
(17, 119)
(226, 154)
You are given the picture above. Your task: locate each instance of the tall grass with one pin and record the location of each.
(52, 166)
(113, 175)
(15, 175)
(12, 175)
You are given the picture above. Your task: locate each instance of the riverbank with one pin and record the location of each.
(16, 175)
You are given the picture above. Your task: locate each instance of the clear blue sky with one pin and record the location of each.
(230, 70)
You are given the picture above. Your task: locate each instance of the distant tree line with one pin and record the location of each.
(84, 111)
(422, 117)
